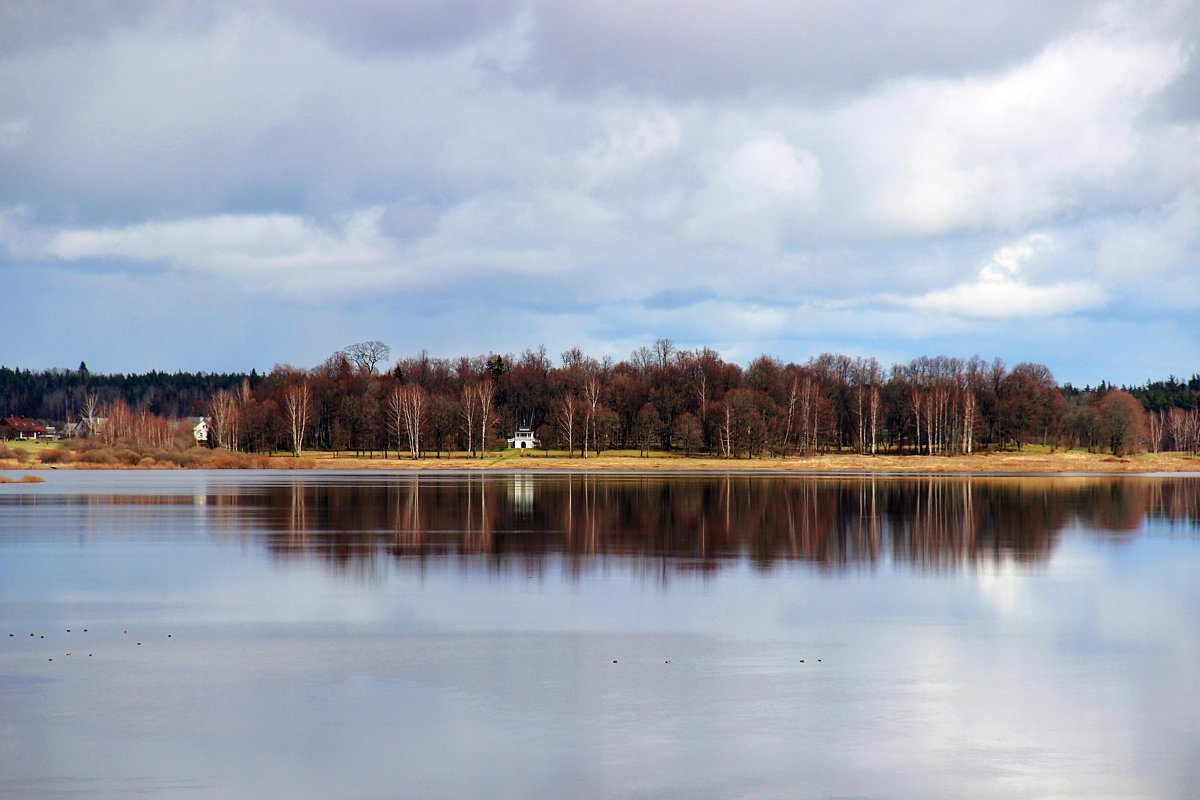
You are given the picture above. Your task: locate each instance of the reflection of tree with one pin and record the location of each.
(1176, 501)
(942, 523)
(700, 523)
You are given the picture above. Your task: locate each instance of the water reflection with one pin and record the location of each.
(239, 679)
(692, 523)
(699, 523)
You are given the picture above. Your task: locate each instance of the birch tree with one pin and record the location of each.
(568, 412)
(407, 407)
(90, 412)
(467, 411)
(789, 421)
(297, 402)
(485, 392)
(223, 410)
(591, 402)
(1155, 420)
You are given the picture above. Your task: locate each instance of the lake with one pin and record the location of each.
(350, 635)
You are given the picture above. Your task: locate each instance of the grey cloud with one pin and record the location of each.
(375, 25)
(35, 24)
(807, 51)
(409, 218)
(228, 118)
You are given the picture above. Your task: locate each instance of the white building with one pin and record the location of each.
(200, 429)
(523, 439)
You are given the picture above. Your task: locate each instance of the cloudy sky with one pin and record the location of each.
(220, 186)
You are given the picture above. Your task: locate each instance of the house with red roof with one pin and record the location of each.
(20, 428)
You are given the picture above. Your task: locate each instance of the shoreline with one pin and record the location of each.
(845, 464)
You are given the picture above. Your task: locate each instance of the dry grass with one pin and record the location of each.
(23, 479)
(1031, 461)
(95, 455)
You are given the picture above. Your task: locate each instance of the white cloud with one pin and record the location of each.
(1012, 300)
(928, 157)
(350, 258)
(258, 253)
(1006, 262)
(232, 243)
(1001, 292)
(627, 145)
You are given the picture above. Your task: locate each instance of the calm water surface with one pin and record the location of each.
(316, 635)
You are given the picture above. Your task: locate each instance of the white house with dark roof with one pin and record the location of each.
(523, 439)
(201, 427)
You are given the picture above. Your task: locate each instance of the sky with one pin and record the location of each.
(223, 186)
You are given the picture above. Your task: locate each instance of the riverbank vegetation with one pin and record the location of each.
(124, 454)
(661, 402)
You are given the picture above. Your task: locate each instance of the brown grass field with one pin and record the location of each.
(1039, 460)
(981, 463)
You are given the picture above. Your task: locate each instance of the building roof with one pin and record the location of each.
(22, 425)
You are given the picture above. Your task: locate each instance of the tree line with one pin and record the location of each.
(57, 395)
(659, 398)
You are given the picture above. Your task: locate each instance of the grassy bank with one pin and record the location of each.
(92, 454)
(78, 455)
(1031, 460)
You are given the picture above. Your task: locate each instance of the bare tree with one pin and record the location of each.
(242, 403)
(297, 401)
(1184, 425)
(810, 414)
(395, 417)
(726, 431)
(916, 401)
(664, 351)
(573, 358)
(793, 400)
(485, 391)
(687, 431)
(1155, 420)
(442, 415)
(223, 410)
(406, 414)
(591, 400)
(866, 375)
(118, 423)
(90, 412)
(368, 355)
(568, 412)
(874, 409)
(467, 410)
(642, 360)
(969, 412)
(646, 428)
